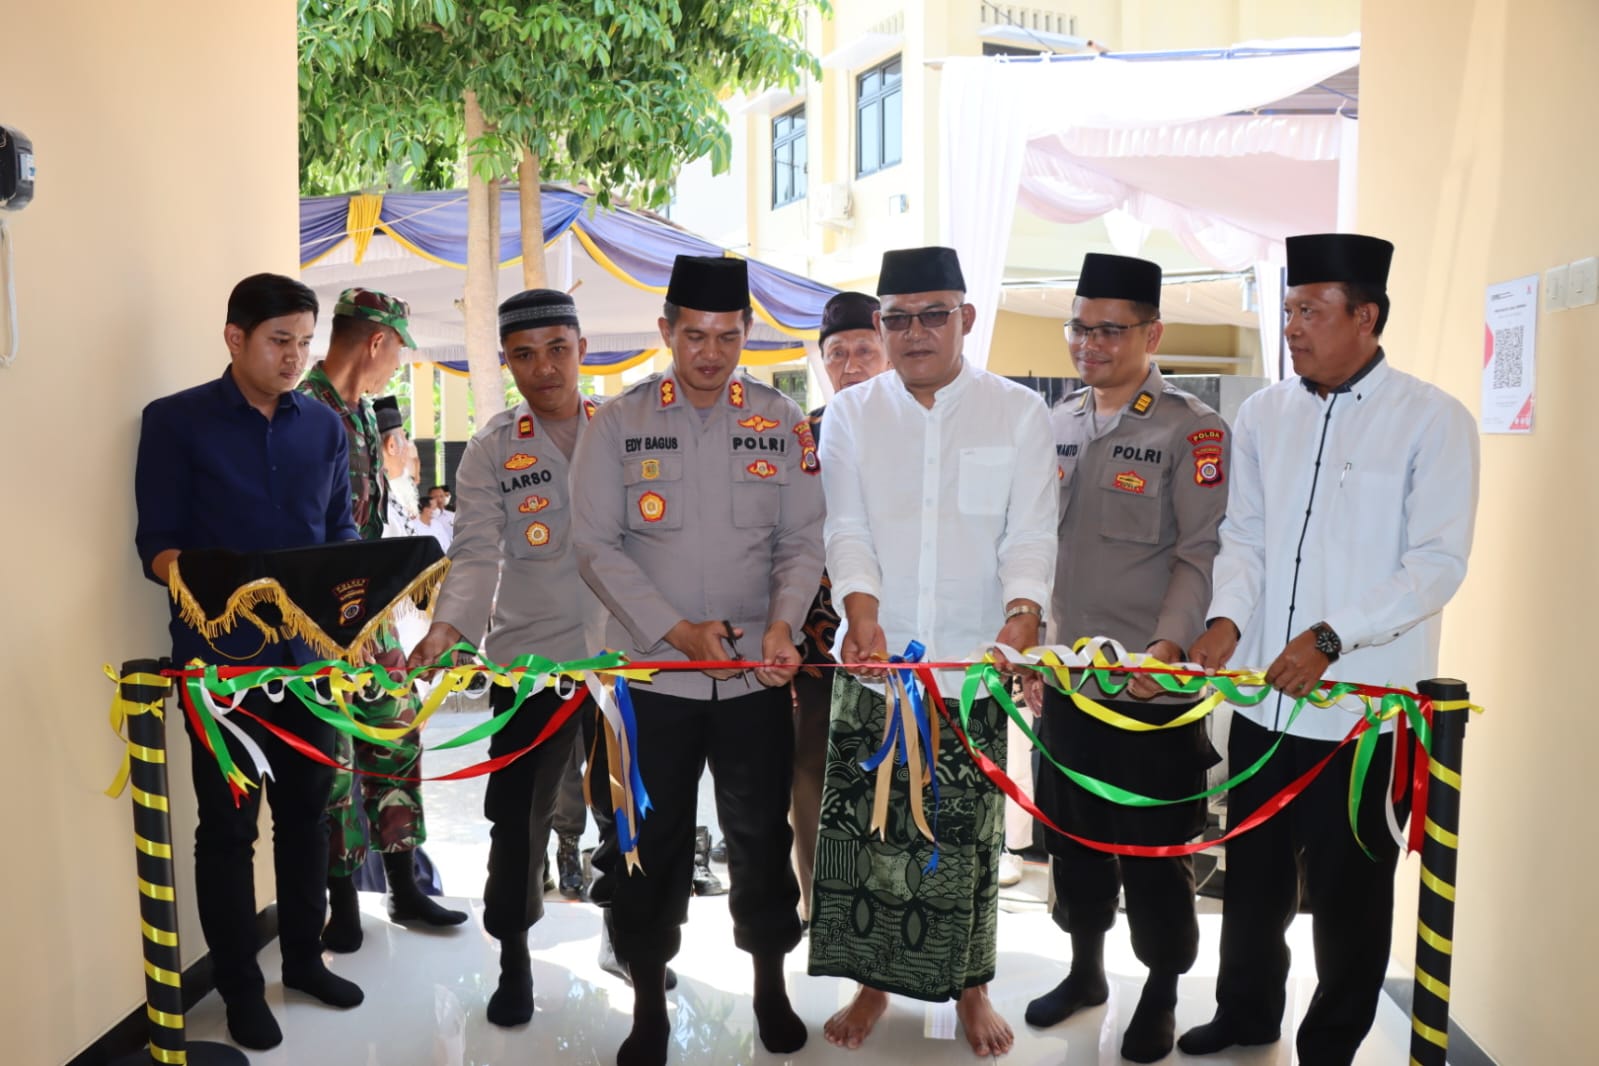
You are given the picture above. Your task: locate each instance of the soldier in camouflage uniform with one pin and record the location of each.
(369, 329)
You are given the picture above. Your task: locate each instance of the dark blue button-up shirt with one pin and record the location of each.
(213, 472)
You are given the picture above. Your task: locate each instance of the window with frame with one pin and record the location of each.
(878, 112)
(788, 157)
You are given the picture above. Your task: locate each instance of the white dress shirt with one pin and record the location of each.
(1388, 472)
(944, 514)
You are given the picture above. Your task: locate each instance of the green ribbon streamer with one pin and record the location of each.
(985, 676)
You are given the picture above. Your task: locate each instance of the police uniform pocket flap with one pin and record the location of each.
(1132, 504)
(652, 468)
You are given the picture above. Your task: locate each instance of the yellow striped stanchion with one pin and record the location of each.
(1435, 915)
(144, 693)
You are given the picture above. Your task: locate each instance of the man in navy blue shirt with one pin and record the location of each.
(247, 464)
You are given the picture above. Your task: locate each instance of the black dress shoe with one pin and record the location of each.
(719, 852)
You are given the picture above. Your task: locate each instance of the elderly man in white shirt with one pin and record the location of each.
(940, 482)
(1349, 521)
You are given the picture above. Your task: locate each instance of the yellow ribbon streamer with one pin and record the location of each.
(174, 1058)
(1444, 774)
(123, 709)
(149, 799)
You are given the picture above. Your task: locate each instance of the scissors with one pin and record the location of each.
(727, 628)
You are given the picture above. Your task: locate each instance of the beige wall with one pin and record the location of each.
(165, 137)
(1477, 160)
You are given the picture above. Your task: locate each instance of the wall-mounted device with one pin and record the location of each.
(16, 169)
(16, 190)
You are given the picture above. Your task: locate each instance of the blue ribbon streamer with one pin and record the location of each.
(895, 741)
(641, 797)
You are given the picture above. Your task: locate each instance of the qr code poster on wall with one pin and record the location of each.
(1509, 341)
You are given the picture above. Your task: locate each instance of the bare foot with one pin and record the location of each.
(987, 1032)
(851, 1025)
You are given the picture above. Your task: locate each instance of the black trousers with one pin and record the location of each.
(224, 846)
(520, 803)
(749, 745)
(1088, 883)
(1351, 895)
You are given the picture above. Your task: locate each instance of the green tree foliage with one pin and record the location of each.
(616, 93)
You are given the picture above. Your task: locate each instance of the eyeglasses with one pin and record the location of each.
(1105, 332)
(898, 322)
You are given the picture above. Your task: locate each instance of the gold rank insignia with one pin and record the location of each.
(652, 507)
(1129, 481)
(521, 461)
(668, 393)
(757, 423)
(524, 427)
(761, 468)
(538, 534)
(650, 469)
(1143, 402)
(735, 394)
(533, 505)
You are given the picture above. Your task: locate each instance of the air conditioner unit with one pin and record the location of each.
(831, 204)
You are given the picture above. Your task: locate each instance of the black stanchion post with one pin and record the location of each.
(144, 692)
(1435, 912)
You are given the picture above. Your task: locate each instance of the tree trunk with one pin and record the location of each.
(482, 295)
(527, 176)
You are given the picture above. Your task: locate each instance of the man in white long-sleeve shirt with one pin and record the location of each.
(940, 482)
(1349, 521)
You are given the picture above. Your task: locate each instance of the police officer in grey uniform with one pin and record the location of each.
(513, 550)
(699, 525)
(1142, 494)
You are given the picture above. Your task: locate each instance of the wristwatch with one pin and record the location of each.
(1327, 641)
(1023, 608)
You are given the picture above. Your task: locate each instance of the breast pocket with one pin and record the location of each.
(536, 518)
(1131, 502)
(757, 491)
(654, 493)
(984, 480)
(1368, 497)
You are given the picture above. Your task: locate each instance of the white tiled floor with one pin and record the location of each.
(426, 990)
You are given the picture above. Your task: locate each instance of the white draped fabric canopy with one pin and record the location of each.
(1230, 151)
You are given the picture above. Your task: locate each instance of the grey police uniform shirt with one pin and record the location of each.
(513, 533)
(1141, 504)
(708, 519)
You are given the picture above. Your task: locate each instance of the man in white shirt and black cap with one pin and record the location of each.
(1349, 519)
(941, 529)
(700, 528)
(1142, 493)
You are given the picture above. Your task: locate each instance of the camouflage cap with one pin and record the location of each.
(377, 307)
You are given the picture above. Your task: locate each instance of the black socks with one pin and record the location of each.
(406, 903)
(1084, 987)
(251, 1025)
(646, 1044)
(317, 981)
(343, 931)
(780, 1029)
(512, 1002)
(1151, 1032)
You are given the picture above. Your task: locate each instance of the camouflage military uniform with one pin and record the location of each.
(393, 808)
